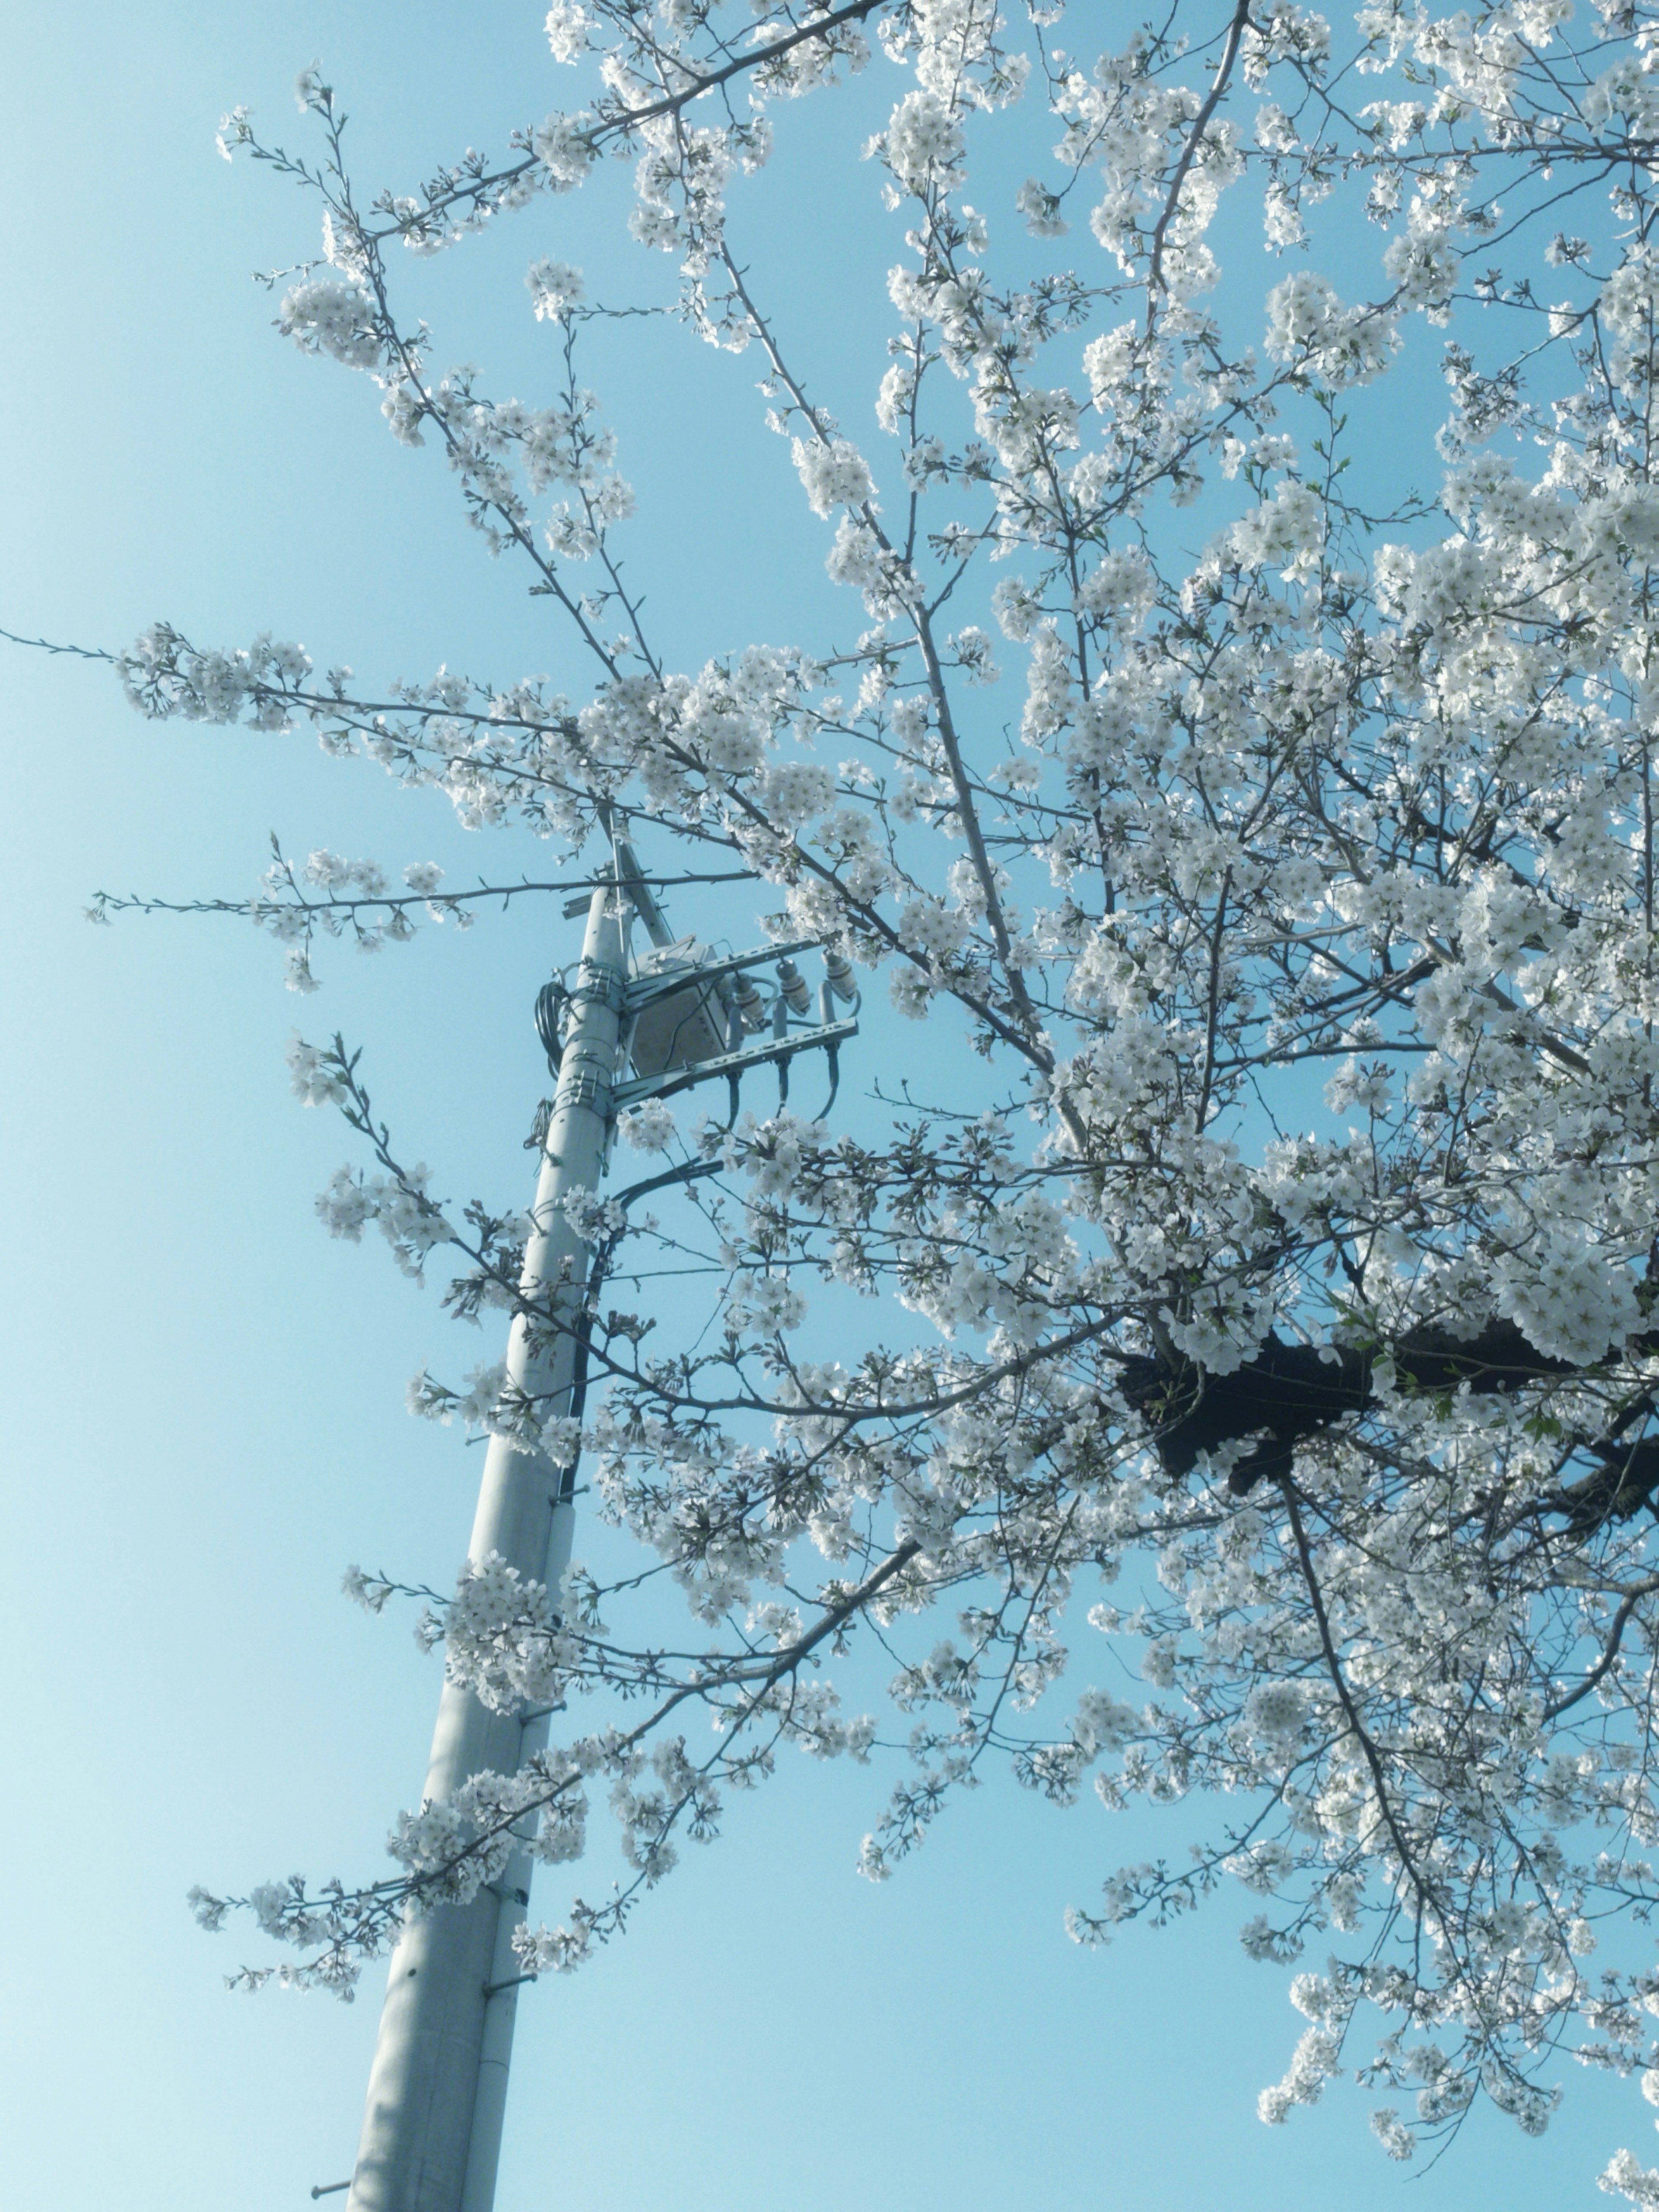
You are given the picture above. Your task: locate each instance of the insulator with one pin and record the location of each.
(752, 1009)
(839, 970)
(792, 984)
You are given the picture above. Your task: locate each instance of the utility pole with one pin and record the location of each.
(431, 2132)
(437, 2086)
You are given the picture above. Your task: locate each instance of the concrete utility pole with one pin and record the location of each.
(437, 2087)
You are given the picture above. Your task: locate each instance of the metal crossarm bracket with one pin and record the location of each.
(733, 1063)
(642, 990)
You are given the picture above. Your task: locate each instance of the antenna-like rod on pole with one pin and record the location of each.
(639, 893)
(437, 2087)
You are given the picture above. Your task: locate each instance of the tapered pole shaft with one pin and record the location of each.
(438, 2084)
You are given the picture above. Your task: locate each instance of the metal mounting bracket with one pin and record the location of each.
(644, 990)
(732, 1063)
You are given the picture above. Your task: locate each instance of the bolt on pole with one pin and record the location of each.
(437, 2086)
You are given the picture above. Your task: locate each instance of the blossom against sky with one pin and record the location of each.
(206, 1394)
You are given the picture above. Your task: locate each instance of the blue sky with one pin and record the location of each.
(205, 1395)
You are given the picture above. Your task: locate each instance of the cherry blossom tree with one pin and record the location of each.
(1328, 808)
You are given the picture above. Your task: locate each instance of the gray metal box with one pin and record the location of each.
(684, 1026)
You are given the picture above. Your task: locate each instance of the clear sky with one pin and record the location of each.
(204, 1395)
